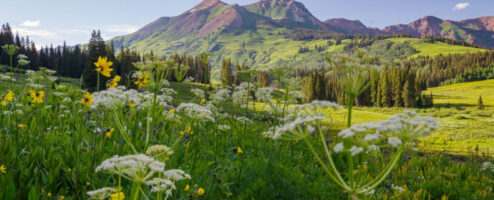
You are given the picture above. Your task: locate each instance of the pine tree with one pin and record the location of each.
(96, 48)
(226, 72)
(385, 91)
(480, 104)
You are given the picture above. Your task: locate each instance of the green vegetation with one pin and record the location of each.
(425, 48)
(464, 95)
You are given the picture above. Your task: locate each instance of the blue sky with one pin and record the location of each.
(53, 21)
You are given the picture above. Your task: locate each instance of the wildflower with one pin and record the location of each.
(187, 187)
(239, 150)
(161, 151)
(264, 94)
(224, 127)
(3, 169)
(69, 170)
(200, 191)
(103, 66)
(37, 96)
(117, 196)
(356, 150)
(131, 105)
(198, 92)
(196, 111)
(49, 194)
(61, 198)
(102, 193)
(203, 101)
(21, 126)
(88, 183)
(134, 166)
(394, 141)
(8, 97)
(142, 80)
(114, 82)
(338, 147)
(108, 132)
(87, 100)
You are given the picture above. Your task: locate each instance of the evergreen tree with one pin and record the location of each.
(480, 104)
(96, 48)
(226, 72)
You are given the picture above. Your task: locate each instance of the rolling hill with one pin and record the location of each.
(257, 34)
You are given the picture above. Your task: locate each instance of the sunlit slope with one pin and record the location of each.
(464, 94)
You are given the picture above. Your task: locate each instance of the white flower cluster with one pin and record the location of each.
(117, 97)
(198, 93)
(395, 130)
(102, 193)
(221, 95)
(264, 94)
(196, 111)
(167, 183)
(158, 149)
(487, 166)
(140, 168)
(224, 127)
(133, 166)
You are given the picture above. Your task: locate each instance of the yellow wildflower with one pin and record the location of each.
(87, 100)
(189, 131)
(61, 198)
(203, 101)
(8, 97)
(109, 132)
(200, 191)
(114, 82)
(239, 150)
(187, 187)
(21, 126)
(3, 169)
(49, 194)
(103, 66)
(69, 170)
(142, 80)
(131, 105)
(88, 183)
(117, 196)
(37, 96)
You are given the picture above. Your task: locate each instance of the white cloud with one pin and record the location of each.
(461, 6)
(31, 23)
(72, 35)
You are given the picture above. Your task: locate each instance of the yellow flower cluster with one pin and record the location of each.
(114, 82)
(8, 97)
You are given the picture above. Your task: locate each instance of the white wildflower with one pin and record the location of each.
(338, 148)
(356, 150)
(394, 141)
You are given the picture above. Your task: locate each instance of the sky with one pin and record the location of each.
(55, 21)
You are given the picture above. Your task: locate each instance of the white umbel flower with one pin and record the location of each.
(102, 193)
(338, 148)
(196, 111)
(356, 150)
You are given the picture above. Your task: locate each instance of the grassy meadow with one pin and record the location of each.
(53, 148)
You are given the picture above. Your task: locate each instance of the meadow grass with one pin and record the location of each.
(55, 154)
(435, 48)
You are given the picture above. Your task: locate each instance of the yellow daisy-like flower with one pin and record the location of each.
(61, 198)
(87, 100)
(189, 131)
(109, 132)
(88, 183)
(21, 126)
(239, 150)
(114, 82)
(37, 96)
(8, 97)
(142, 80)
(131, 105)
(117, 196)
(49, 194)
(187, 187)
(103, 66)
(203, 101)
(3, 169)
(200, 191)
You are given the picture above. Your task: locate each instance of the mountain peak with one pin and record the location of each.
(207, 4)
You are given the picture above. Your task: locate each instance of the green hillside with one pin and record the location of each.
(433, 49)
(464, 94)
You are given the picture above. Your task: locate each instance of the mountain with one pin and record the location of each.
(478, 31)
(346, 26)
(258, 34)
(288, 13)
